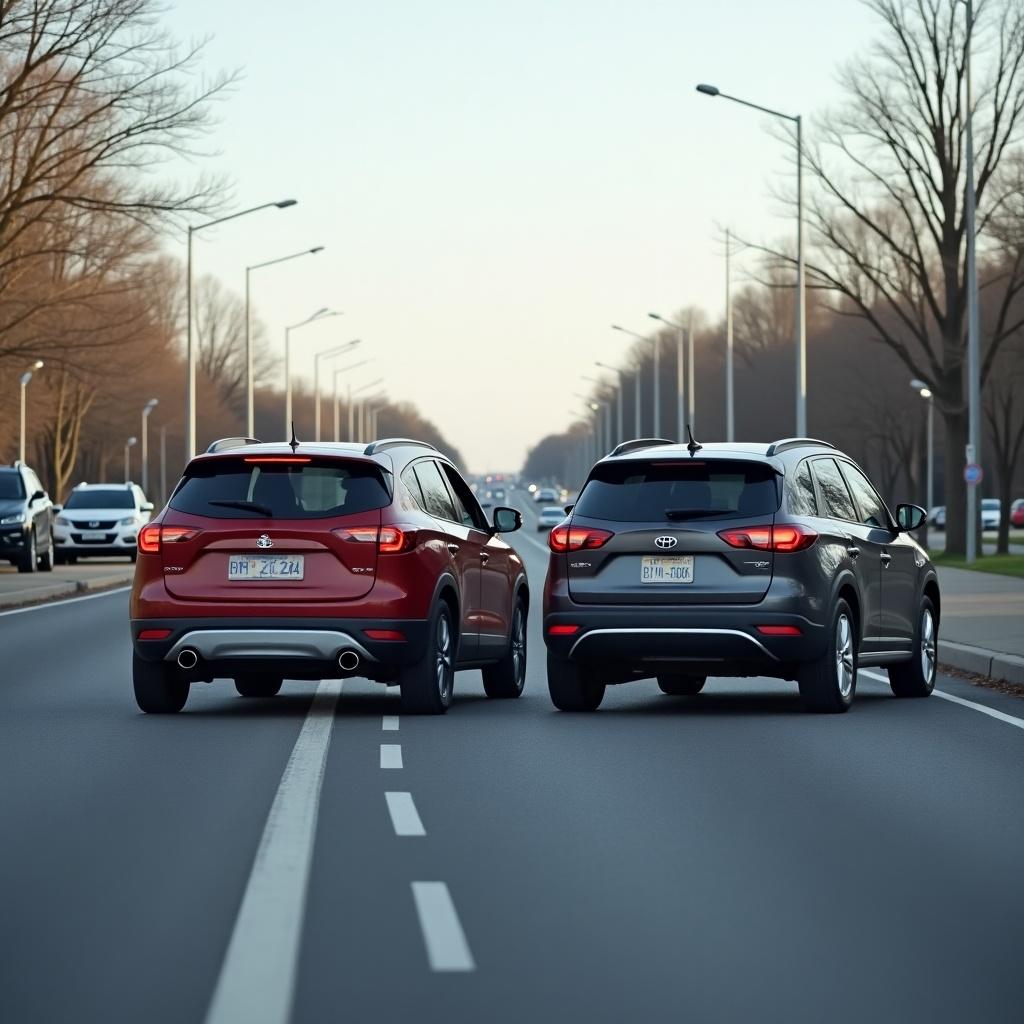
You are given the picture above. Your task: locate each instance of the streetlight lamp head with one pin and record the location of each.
(131, 441)
(708, 90)
(38, 364)
(654, 316)
(918, 385)
(285, 202)
(616, 327)
(152, 403)
(926, 392)
(316, 249)
(26, 377)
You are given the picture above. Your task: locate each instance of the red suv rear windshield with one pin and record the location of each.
(644, 492)
(320, 489)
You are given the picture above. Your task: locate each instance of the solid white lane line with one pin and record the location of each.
(389, 723)
(391, 755)
(404, 817)
(66, 600)
(999, 716)
(447, 949)
(257, 977)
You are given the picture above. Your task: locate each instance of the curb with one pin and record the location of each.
(58, 591)
(1006, 668)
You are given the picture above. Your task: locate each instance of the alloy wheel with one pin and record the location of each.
(518, 646)
(928, 652)
(844, 656)
(443, 658)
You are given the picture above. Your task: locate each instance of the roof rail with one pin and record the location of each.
(638, 443)
(395, 442)
(231, 442)
(783, 445)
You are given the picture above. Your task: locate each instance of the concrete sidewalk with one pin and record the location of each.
(982, 628)
(18, 589)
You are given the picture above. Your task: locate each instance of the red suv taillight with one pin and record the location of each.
(785, 538)
(390, 540)
(577, 538)
(153, 535)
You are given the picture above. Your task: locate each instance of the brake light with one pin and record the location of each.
(389, 539)
(365, 534)
(288, 460)
(577, 538)
(565, 630)
(779, 630)
(785, 538)
(152, 536)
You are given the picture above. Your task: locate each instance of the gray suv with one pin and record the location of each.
(684, 561)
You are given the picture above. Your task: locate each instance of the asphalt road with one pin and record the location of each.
(719, 858)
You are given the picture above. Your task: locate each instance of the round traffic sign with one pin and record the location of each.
(973, 473)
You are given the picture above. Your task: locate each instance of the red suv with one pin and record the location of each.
(309, 561)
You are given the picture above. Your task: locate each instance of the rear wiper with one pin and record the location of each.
(245, 506)
(696, 513)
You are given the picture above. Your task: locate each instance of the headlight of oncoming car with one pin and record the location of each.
(11, 520)
(127, 521)
(61, 521)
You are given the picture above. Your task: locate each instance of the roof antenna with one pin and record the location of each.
(294, 442)
(692, 446)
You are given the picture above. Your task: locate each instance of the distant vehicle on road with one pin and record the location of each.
(991, 513)
(26, 520)
(1017, 513)
(542, 494)
(549, 516)
(101, 520)
(326, 561)
(780, 560)
(937, 517)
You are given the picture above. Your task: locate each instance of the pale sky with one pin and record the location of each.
(497, 183)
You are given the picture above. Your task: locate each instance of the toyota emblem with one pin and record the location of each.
(264, 541)
(665, 542)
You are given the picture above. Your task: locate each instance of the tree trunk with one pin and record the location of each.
(1005, 501)
(955, 426)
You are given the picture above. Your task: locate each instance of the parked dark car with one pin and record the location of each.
(326, 561)
(26, 520)
(680, 562)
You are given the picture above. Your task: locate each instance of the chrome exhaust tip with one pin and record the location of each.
(348, 661)
(188, 658)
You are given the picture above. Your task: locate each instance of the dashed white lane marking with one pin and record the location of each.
(257, 977)
(389, 723)
(999, 716)
(404, 816)
(447, 949)
(67, 600)
(391, 755)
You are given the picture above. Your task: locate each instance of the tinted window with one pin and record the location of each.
(872, 510)
(410, 481)
(802, 501)
(10, 485)
(838, 503)
(436, 498)
(647, 492)
(120, 498)
(318, 490)
(466, 505)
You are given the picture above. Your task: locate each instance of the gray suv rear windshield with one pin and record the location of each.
(633, 492)
(235, 489)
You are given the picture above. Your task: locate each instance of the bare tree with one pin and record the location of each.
(1004, 414)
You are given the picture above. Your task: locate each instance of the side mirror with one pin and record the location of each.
(910, 517)
(146, 506)
(569, 508)
(506, 520)
(38, 495)
(58, 508)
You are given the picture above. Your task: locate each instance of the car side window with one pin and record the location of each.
(437, 500)
(413, 486)
(834, 492)
(872, 508)
(470, 513)
(802, 500)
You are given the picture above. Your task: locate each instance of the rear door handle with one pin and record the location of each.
(484, 557)
(853, 551)
(886, 559)
(453, 548)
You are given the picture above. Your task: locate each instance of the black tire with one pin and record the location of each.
(258, 686)
(29, 561)
(572, 686)
(508, 677)
(47, 558)
(72, 559)
(681, 686)
(159, 690)
(916, 678)
(427, 686)
(828, 685)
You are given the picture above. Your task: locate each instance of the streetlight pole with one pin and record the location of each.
(250, 411)
(320, 314)
(921, 387)
(127, 456)
(336, 351)
(633, 334)
(163, 464)
(730, 416)
(356, 391)
(146, 410)
(801, 298)
(337, 373)
(619, 437)
(684, 333)
(25, 378)
(190, 351)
